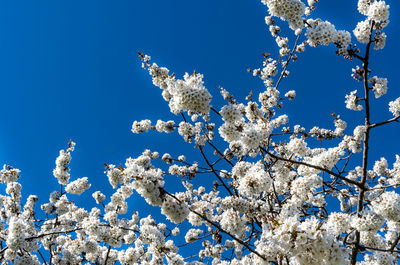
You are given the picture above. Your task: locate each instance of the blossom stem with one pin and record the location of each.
(213, 171)
(288, 60)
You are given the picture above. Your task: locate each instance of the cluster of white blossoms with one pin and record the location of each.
(376, 10)
(363, 31)
(271, 191)
(381, 166)
(18, 230)
(246, 126)
(145, 126)
(367, 221)
(61, 170)
(192, 234)
(8, 174)
(290, 10)
(236, 130)
(298, 147)
(394, 107)
(188, 94)
(269, 69)
(98, 196)
(352, 101)
(114, 175)
(379, 86)
(308, 242)
(175, 211)
(78, 186)
(253, 181)
(324, 33)
(232, 113)
(388, 205)
(141, 126)
(353, 143)
(377, 13)
(232, 222)
(340, 126)
(380, 40)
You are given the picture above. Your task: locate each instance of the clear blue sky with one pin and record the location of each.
(69, 70)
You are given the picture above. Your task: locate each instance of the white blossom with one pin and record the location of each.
(363, 6)
(188, 94)
(379, 86)
(352, 101)
(363, 31)
(325, 33)
(98, 196)
(381, 166)
(394, 107)
(289, 10)
(78, 186)
(141, 126)
(290, 94)
(380, 40)
(8, 174)
(62, 161)
(264, 196)
(378, 11)
(388, 205)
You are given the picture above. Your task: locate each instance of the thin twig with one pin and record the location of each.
(288, 61)
(194, 240)
(52, 233)
(215, 173)
(42, 257)
(356, 183)
(216, 111)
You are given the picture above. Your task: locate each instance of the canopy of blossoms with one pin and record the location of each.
(273, 185)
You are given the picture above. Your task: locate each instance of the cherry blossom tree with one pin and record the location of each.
(274, 182)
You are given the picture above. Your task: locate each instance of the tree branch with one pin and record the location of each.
(215, 173)
(108, 253)
(384, 122)
(356, 247)
(356, 183)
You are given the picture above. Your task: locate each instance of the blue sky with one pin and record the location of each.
(69, 70)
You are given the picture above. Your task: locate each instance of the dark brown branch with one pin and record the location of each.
(384, 122)
(216, 111)
(395, 243)
(357, 56)
(108, 253)
(383, 250)
(219, 152)
(356, 247)
(51, 255)
(183, 116)
(4, 249)
(42, 257)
